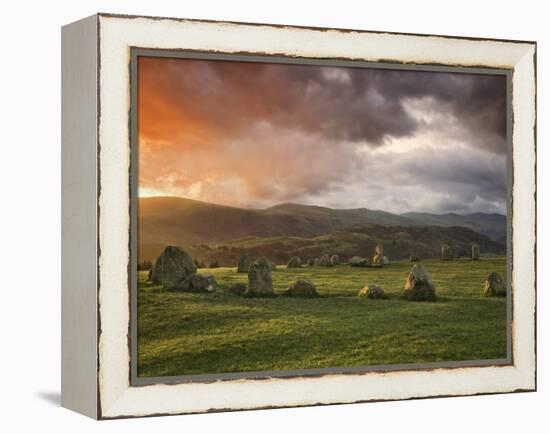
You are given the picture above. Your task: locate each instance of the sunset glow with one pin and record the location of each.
(257, 134)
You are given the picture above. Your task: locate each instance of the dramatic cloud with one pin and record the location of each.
(257, 134)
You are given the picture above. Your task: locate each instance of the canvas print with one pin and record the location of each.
(302, 217)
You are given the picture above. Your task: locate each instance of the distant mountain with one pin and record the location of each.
(492, 225)
(199, 225)
(343, 217)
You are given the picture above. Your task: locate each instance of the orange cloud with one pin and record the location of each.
(257, 134)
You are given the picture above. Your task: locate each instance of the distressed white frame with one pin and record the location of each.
(116, 35)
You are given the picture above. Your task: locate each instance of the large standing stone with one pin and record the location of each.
(174, 268)
(373, 292)
(301, 288)
(414, 258)
(446, 253)
(378, 258)
(294, 262)
(419, 286)
(259, 279)
(324, 261)
(495, 286)
(243, 264)
(475, 252)
(335, 259)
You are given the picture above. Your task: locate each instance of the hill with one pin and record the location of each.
(206, 228)
(399, 243)
(492, 225)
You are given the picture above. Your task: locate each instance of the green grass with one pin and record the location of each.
(183, 334)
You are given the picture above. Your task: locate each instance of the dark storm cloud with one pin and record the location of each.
(478, 102)
(256, 133)
(454, 182)
(353, 104)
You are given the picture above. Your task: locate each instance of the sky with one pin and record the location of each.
(255, 135)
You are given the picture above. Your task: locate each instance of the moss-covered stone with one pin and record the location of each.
(419, 286)
(259, 279)
(373, 292)
(494, 286)
(301, 288)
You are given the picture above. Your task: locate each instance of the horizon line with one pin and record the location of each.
(319, 206)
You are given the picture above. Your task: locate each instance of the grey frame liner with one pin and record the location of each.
(136, 52)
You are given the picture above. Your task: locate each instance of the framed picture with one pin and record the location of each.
(260, 216)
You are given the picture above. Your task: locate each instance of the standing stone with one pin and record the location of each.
(202, 283)
(414, 258)
(335, 259)
(494, 286)
(259, 279)
(294, 262)
(372, 291)
(378, 258)
(301, 288)
(365, 262)
(174, 268)
(324, 261)
(446, 253)
(243, 264)
(419, 286)
(357, 261)
(237, 288)
(475, 252)
(354, 261)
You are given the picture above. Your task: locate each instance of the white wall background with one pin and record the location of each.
(30, 216)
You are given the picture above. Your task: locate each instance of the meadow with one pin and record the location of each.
(182, 333)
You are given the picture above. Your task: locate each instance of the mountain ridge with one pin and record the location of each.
(188, 222)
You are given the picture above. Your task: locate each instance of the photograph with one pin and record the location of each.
(244, 217)
(298, 217)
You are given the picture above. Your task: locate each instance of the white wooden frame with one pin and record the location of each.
(96, 159)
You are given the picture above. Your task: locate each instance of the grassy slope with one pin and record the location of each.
(183, 334)
(399, 243)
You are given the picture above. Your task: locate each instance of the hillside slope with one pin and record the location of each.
(199, 226)
(492, 225)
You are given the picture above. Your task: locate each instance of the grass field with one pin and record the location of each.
(182, 334)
